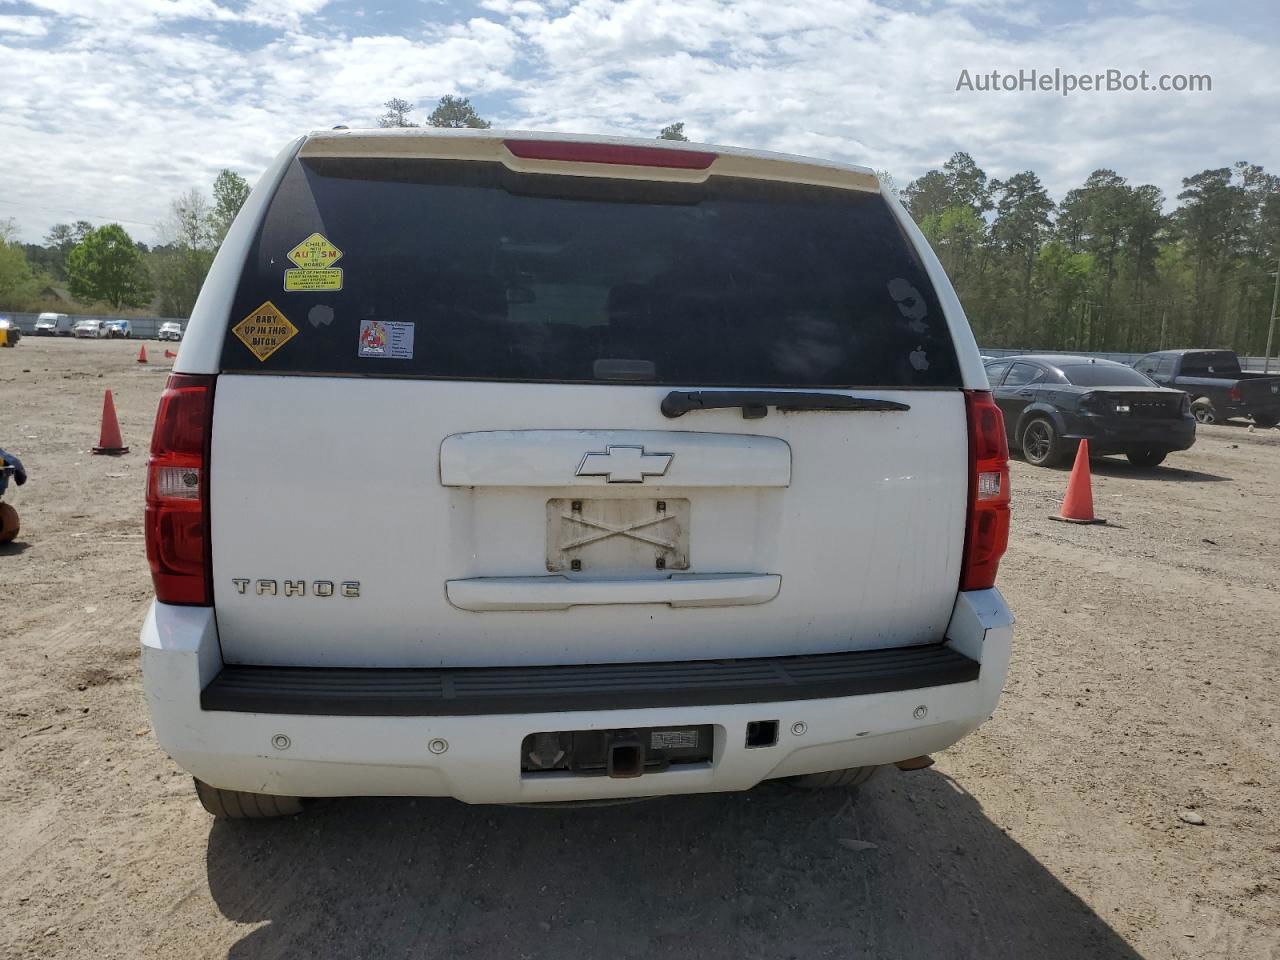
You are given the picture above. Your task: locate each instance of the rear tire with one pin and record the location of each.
(852, 777)
(1146, 458)
(9, 525)
(1266, 420)
(238, 805)
(1041, 445)
(1204, 411)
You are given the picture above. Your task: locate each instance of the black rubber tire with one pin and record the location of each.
(1146, 459)
(1048, 452)
(1204, 411)
(238, 805)
(1267, 420)
(9, 525)
(852, 777)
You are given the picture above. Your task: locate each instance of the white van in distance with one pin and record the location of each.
(54, 325)
(524, 468)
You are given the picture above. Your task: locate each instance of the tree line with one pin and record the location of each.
(102, 267)
(458, 113)
(1106, 268)
(105, 268)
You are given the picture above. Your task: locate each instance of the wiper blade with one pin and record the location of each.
(756, 403)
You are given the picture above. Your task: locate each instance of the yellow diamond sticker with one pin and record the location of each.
(265, 330)
(315, 251)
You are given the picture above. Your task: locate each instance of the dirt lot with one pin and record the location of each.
(1144, 683)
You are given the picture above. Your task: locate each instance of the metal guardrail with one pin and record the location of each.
(141, 328)
(1247, 364)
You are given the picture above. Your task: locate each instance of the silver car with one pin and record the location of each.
(91, 329)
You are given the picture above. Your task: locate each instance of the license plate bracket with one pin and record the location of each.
(617, 535)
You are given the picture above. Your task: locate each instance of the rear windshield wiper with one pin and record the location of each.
(756, 403)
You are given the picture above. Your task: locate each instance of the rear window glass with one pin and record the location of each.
(1105, 375)
(1220, 364)
(468, 270)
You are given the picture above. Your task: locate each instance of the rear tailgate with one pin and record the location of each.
(453, 453)
(1261, 393)
(865, 535)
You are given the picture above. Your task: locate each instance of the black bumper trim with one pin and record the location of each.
(362, 692)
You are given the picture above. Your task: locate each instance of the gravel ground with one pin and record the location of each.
(1144, 686)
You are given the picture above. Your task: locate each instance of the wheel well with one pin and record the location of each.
(1031, 416)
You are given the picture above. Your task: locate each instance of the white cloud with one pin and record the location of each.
(281, 13)
(24, 26)
(876, 85)
(139, 100)
(116, 121)
(136, 12)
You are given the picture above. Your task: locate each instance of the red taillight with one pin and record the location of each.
(987, 531)
(177, 520)
(610, 153)
(1234, 393)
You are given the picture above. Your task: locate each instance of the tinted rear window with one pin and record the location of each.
(467, 270)
(1217, 364)
(1105, 375)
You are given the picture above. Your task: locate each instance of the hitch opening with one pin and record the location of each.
(630, 752)
(626, 759)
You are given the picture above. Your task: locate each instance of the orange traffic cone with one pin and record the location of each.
(1077, 506)
(142, 354)
(169, 354)
(109, 439)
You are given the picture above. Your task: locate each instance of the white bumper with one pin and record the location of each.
(389, 756)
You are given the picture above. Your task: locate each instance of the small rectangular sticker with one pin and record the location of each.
(382, 338)
(672, 739)
(307, 279)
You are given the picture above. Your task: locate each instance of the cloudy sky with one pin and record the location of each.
(110, 108)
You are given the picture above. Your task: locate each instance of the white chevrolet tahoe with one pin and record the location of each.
(526, 468)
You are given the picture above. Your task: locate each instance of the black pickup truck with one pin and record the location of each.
(1218, 388)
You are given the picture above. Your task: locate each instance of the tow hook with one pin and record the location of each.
(915, 763)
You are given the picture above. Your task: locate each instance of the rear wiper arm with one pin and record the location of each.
(756, 403)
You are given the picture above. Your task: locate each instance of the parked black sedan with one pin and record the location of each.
(1051, 401)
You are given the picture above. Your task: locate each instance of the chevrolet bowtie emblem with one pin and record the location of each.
(624, 465)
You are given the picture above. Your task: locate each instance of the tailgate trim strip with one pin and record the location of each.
(561, 593)
(473, 691)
